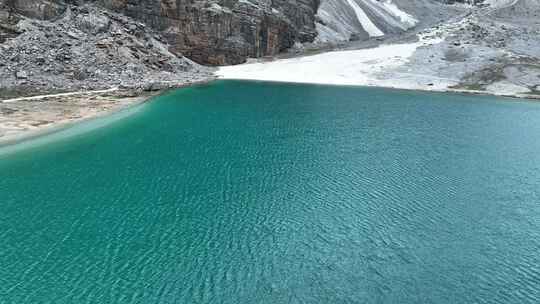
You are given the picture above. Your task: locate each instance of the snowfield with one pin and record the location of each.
(367, 24)
(368, 67)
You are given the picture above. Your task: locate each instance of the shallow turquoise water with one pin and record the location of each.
(243, 192)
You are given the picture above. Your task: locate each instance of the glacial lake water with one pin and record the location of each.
(246, 192)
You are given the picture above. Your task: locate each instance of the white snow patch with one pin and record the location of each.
(247, 2)
(369, 67)
(406, 18)
(216, 8)
(364, 20)
(389, 14)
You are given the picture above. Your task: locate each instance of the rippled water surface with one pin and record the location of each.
(243, 192)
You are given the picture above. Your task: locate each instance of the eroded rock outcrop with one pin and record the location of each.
(225, 31)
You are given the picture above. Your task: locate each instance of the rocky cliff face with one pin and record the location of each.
(214, 32)
(222, 32)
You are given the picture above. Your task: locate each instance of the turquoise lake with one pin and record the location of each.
(250, 192)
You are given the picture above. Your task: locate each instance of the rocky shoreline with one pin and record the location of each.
(82, 63)
(25, 118)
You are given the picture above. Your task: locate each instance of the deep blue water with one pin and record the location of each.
(246, 192)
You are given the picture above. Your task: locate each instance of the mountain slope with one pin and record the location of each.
(343, 20)
(72, 44)
(492, 48)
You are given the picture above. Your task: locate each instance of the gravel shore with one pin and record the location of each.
(27, 117)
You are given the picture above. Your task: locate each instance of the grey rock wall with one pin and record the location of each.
(222, 32)
(214, 32)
